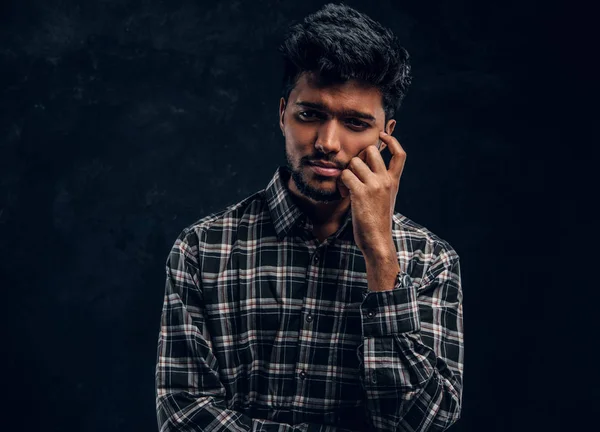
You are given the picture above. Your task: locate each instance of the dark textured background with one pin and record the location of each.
(124, 121)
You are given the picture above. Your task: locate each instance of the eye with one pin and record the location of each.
(308, 115)
(357, 123)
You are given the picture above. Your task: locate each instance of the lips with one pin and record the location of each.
(325, 170)
(325, 164)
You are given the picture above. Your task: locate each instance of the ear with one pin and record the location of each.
(282, 106)
(391, 124)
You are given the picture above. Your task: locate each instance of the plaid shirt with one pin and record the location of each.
(264, 328)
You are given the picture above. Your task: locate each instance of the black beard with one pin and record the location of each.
(310, 192)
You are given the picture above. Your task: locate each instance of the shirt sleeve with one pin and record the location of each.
(189, 393)
(413, 349)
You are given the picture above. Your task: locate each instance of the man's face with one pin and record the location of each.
(328, 125)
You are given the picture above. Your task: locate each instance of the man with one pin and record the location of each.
(312, 305)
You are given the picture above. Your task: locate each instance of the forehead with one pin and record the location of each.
(351, 95)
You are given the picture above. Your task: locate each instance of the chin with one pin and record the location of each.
(314, 189)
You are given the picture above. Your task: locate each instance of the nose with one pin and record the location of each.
(328, 139)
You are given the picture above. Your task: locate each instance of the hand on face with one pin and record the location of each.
(373, 188)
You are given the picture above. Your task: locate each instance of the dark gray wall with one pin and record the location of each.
(124, 121)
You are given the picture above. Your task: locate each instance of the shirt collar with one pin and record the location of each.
(285, 214)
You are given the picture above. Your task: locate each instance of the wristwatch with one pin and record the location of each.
(404, 279)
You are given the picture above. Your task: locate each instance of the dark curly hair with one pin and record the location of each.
(339, 43)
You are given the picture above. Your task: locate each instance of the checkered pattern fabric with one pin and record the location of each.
(265, 328)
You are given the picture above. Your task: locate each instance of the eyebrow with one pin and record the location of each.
(343, 113)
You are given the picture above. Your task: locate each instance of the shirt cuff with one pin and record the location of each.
(387, 313)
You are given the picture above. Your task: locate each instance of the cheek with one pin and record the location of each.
(293, 152)
(301, 135)
(356, 144)
(354, 150)
(298, 145)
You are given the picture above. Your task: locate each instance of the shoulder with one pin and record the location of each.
(407, 229)
(425, 249)
(209, 229)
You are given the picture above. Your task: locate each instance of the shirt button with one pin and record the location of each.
(371, 313)
(374, 377)
(406, 280)
(302, 374)
(316, 257)
(309, 318)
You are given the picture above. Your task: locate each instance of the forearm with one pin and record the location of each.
(189, 393)
(412, 385)
(179, 412)
(406, 392)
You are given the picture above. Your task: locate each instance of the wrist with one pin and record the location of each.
(382, 271)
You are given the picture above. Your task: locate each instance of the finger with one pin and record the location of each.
(351, 182)
(360, 169)
(362, 155)
(374, 160)
(398, 154)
